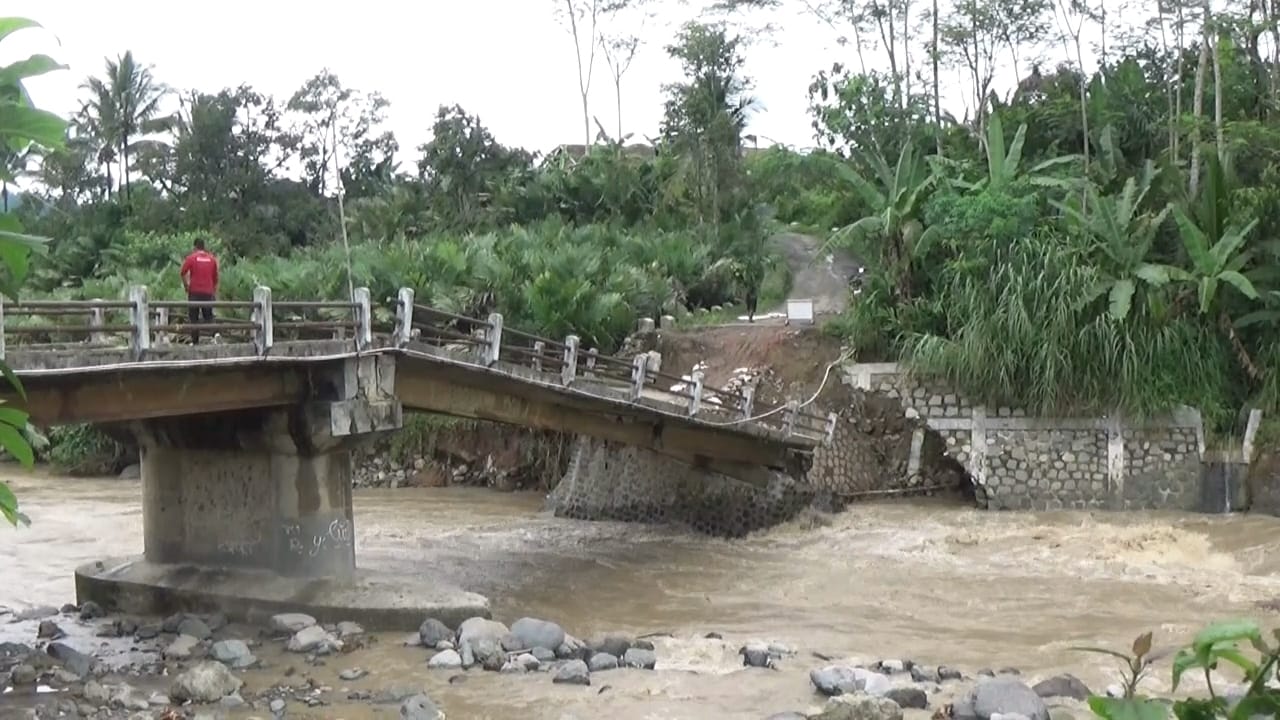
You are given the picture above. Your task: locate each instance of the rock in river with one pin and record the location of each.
(602, 661)
(756, 654)
(291, 623)
(181, 648)
(49, 630)
(419, 707)
(534, 633)
(1066, 685)
(195, 627)
(859, 707)
(72, 659)
(637, 658)
(234, 653)
(574, 672)
(1000, 696)
(432, 632)
(205, 682)
(447, 660)
(908, 698)
(308, 639)
(835, 680)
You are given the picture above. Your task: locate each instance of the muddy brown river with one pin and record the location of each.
(934, 582)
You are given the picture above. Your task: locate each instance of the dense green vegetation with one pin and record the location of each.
(1096, 238)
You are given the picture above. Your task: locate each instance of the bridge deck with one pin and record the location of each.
(481, 373)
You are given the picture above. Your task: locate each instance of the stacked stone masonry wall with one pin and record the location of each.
(1035, 463)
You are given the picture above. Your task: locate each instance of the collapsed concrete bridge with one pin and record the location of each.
(246, 444)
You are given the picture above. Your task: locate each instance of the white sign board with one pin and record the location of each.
(800, 311)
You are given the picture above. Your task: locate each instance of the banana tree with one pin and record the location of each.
(896, 196)
(1217, 261)
(1004, 162)
(1122, 236)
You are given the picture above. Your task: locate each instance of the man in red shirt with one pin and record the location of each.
(199, 275)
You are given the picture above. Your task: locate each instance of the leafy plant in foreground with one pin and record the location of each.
(1212, 647)
(23, 128)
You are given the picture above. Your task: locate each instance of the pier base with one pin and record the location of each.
(249, 513)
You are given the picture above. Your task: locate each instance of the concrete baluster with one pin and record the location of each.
(162, 319)
(140, 319)
(539, 347)
(793, 410)
(404, 317)
(263, 321)
(364, 318)
(570, 369)
(748, 400)
(97, 319)
(592, 354)
(493, 339)
(695, 401)
(639, 373)
(1, 329)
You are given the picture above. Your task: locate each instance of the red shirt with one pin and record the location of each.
(201, 272)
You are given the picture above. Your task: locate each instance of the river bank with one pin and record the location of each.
(933, 582)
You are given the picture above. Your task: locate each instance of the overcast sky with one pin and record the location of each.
(509, 61)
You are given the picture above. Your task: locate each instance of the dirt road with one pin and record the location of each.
(823, 279)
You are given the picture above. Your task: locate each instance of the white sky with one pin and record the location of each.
(509, 61)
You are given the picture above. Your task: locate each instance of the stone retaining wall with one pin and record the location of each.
(1023, 462)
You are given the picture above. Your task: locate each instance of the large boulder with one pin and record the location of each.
(206, 682)
(420, 707)
(432, 632)
(1065, 685)
(859, 707)
(835, 680)
(534, 633)
(291, 623)
(1000, 696)
(308, 639)
(233, 652)
(574, 672)
(480, 641)
(71, 659)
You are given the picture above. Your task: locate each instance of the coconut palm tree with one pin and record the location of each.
(123, 107)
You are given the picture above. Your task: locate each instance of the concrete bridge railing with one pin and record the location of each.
(250, 328)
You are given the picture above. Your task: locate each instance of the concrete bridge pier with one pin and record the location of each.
(262, 489)
(249, 513)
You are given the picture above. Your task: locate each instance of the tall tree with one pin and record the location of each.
(707, 112)
(330, 119)
(124, 107)
(585, 20)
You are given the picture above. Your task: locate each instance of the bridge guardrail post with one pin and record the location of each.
(493, 338)
(162, 319)
(793, 410)
(97, 318)
(539, 347)
(404, 316)
(748, 400)
(590, 372)
(831, 428)
(639, 372)
(364, 318)
(140, 319)
(695, 402)
(263, 324)
(1, 328)
(570, 369)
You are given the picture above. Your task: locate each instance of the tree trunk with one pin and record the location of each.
(1198, 105)
(1242, 353)
(1217, 97)
(937, 104)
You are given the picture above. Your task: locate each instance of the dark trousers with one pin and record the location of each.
(751, 307)
(197, 315)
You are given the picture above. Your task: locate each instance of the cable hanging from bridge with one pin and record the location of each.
(825, 377)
